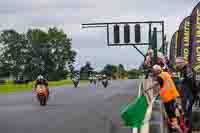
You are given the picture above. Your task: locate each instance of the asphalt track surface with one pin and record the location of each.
(86, 109)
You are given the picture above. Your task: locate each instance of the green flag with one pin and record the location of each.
(134, 113)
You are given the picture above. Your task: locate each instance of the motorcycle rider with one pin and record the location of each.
(94, 79)
(42, 81)
(76, 78)
(104, 76)
(105, 80)
(91, 78)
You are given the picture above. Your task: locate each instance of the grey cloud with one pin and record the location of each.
(91, 43)
(15, 6)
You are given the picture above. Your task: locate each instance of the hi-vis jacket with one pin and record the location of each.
(168, 91)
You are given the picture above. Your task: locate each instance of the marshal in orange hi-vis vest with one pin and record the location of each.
(168, 91)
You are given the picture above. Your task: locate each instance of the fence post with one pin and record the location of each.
(134, 130)
(145, 127)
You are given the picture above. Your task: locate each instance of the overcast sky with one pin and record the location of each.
(91, 43)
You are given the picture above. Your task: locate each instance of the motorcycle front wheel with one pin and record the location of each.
(42, 100)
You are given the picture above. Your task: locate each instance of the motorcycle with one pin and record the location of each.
(76, 82)
(91, 81)
(42, 94)
(95, 81)
(105, 83)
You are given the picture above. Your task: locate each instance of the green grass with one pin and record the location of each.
(10, 87)
(7, 88)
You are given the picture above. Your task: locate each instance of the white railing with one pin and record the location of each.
(151, 99)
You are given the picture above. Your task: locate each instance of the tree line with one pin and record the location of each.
(26, 55)
(113, 71)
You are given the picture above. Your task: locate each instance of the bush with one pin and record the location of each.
(9, 81)
(2, 81)
(21, 81)
(134, 73)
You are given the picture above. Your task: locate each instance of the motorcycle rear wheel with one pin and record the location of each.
(43, 100)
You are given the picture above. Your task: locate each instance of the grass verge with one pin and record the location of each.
(10, 87)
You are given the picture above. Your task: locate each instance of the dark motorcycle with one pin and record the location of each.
(105, 83)
(42, 94)
(76, 82)
(95, 81)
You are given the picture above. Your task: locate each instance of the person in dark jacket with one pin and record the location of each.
(188, 89)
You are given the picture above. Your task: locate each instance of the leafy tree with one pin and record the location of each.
(115, 71)
(121, 72)
(110, 70)
(37, 40)
(13, 52)
(4, 69)
(61, 52)
(134, 73)
(36, 52)
(86, 70)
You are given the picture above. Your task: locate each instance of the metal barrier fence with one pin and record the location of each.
(153, 121)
